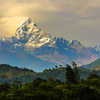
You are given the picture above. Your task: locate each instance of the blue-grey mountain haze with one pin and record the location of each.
(71, 19)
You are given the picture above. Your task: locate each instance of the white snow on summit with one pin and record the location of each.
(32, 35)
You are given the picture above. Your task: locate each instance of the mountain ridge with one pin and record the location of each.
(10, 73)
(36, 49)
(95, 65)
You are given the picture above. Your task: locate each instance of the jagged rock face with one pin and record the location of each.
(32, 36)
(28, 27)
(31, 46)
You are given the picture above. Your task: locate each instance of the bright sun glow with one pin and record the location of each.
(11, 24)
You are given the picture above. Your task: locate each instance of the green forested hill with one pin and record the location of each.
(9, 73)
(40, 89)
(95, 65)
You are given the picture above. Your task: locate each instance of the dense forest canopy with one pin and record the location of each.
(73, 88)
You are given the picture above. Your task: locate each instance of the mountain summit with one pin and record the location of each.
(31, 35)
(33, 48)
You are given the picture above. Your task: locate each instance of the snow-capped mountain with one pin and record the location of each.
(30, 35)
(33, 47)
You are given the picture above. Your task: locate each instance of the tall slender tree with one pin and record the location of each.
(76, 71)
(70, 77)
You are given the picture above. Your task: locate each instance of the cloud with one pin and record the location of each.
(9, 25)
(71, 19)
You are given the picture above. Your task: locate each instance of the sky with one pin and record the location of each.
(71, 19)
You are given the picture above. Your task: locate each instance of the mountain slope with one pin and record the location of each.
(33, 48)
(10, 73)
(95, 65)
(30, 35)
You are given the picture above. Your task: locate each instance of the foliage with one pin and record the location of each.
(10, 73)
(70, 77)
(72, 74)
(53, 89)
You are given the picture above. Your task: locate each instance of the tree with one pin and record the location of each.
(70, 74)
(56, 66)
(16, 84)
(76, 71)
(93, 76)
(4, 87)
